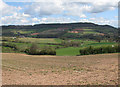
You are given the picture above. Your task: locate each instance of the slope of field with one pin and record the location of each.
(67, 30)
(22, 69)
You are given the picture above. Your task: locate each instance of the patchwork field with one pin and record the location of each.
(22, 69)
(61, 49)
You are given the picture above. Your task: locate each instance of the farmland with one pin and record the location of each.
(22, 69)
(62, 39)
(60, 54)
(61, 50)
(65, 30)
(41, 40)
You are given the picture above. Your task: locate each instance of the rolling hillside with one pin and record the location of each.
(68, 30)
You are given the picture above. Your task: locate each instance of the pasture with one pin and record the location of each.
(40, 40)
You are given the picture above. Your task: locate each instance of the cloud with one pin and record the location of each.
(72, 8)
(58, 11)
(6, 9)
(25, 19)
(103, 21)
(57, 20)
(44, 8)
(55, 7)
(16, 18)
(101, 6)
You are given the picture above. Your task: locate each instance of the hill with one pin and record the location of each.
(62, 30)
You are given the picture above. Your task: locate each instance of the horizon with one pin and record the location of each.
(62, 23)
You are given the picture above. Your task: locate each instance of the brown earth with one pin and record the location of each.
(22, 69)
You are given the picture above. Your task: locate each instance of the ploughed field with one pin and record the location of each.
(22, 69)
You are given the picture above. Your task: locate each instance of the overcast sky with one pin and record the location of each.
(25, 12)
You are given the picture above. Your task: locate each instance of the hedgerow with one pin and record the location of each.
(100, 50)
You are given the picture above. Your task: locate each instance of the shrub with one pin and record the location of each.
(48, 51)
(70, 43)
(7, 39)
(13, 46)
(35, 50)
(99, 50)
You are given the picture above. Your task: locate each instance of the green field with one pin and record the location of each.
(68, 51)
(40, 40)
(54, 43)
(73, 51)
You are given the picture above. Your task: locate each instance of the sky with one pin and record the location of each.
(30, 12)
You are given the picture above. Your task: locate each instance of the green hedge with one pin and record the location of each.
(13, 46)
(35, 50)
(100, 50)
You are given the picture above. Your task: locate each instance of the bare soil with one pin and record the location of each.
(22, 69)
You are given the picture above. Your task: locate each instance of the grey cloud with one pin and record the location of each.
(73, 8)
(42, 8)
